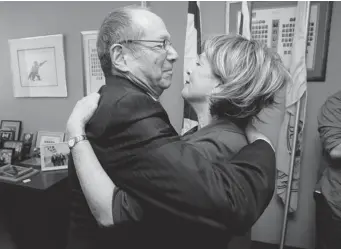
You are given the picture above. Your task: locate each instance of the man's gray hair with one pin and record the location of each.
(117, 26)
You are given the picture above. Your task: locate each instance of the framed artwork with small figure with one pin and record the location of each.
(38, 66)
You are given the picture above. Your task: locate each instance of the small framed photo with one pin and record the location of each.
(6, 156)
(17, 146)
(6, 135)
(27, 138)
(48, 137)
(12, 125)
(54, 156)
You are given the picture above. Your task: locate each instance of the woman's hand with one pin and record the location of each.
(81, 114)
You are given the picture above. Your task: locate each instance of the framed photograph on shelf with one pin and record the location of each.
(54, 156)
(6, 135)
(273, 23)
(93, 74)
(6, 156)
(27, 138)
(38, 66)
(11, 125)
(48, 137)
(15, 173)
(17, 146)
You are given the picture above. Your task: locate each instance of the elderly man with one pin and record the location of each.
(328, 202)
(137, 59)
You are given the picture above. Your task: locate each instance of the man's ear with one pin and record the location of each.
(117, 56)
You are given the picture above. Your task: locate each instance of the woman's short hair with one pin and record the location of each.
(250, 74)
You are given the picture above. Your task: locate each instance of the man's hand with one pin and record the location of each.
(81, 114)
(253, 134)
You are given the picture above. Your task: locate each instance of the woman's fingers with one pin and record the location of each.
(90, 101)
(81, 113)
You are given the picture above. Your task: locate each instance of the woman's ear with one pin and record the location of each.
(117, 56)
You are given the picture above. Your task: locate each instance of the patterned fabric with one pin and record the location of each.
(296, 95)
(245, 20)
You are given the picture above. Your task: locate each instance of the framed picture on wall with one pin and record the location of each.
(273, 23)
(54, 156)
(47, 137)
(11, 125)
(38, 66)
(93, 74)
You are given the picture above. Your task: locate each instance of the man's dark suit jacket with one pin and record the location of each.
(137, 146)
(245, 195)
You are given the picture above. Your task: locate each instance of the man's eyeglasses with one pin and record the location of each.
(166, 44)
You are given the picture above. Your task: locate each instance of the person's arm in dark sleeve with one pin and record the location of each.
(260, 178)
(178, 180)
(125, 208)
(329, 126)
(108, 204)
(225, 195)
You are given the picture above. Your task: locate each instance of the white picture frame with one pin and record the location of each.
(38, 66)
(93, 74)
(54, 156)
(48, 137)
